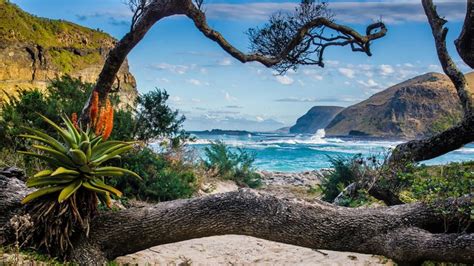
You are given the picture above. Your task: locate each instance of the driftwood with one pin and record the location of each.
(409, 233)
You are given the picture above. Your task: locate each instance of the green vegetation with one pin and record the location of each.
(432, 184)
(444, 123)
(345, 171)
(19, 26)
(152, 120)
(232, 165)
(69, 46)
(163, 179)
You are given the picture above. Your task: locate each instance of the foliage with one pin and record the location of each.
(19, 26)
(233, 165)
(163, 180)
(273, 39)
(432, 184)
(152, 119)
(157, 120)
(65, 95)
(345, 171)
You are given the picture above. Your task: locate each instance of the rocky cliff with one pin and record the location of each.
(35, 50)
(316, 118)
(419, 107)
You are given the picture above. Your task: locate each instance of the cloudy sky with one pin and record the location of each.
(214, 90)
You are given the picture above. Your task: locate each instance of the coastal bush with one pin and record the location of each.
(432, 184)
(232, 165)
(64, 95)
(345, 171)
(162, 179)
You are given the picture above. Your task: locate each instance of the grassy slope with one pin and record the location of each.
(20, 27)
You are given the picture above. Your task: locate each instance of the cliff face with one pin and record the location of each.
(316, 118)
(35, 50)
(416, 108)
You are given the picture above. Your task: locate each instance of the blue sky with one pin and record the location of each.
(214, 90)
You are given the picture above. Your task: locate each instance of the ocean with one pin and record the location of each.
(296, 153)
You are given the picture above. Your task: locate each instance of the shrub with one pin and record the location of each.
(432, 184)
(162, 180)
(233, 165)
(65, 95)
(345, 171)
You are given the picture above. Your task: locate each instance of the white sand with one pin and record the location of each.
(243, 250)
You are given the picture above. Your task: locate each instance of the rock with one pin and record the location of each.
(316, 118)
(35, 50)
(417, 108)
(302, 179)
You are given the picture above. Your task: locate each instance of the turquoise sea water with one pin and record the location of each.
(294, 153)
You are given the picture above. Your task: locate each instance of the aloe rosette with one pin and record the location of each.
(77, 162)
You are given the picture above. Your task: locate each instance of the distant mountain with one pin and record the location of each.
(223, 132)
(419, 107)
(316, 118)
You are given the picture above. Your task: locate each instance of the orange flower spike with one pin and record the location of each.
(99, 127)
(109, 124)
(94, 110)
(74, 120)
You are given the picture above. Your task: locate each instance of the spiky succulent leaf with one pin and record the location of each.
(75, 163)
(41, 192)
(69, 190)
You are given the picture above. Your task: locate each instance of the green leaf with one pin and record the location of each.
(41, 192)
(116, 169)
(47, 181)
(56, 154)
(99, 184)
(64, 133)
(78, 156)
(64, 171)
(69, 191)
(43, 173)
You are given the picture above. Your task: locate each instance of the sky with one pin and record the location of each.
(213, 90)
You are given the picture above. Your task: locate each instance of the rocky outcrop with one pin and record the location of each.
(316, 118)
(416, 108)
(35, 50)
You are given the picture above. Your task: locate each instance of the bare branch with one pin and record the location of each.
(449, 67)
(286, 40)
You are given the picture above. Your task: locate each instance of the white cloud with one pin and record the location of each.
(297, 100)
(229, 97)
(259, 118)
(386, 69)
(285, 80)
(349, 73)
(370, 83)
(194, 82)
(225, 62)
(346, 11)
(177, 69)
(195, 100)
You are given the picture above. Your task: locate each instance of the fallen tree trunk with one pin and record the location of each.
(401, 232)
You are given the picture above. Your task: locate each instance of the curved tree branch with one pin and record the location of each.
(156, 10)
(457, 136)
(465, 41)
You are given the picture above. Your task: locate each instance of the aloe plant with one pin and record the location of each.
(77, 162)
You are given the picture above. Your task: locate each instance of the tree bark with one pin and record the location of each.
(465, 41)
(405, 233)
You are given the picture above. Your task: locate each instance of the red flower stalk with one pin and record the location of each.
(109, 123)
(99, 127)
(94, 110)
(74, 120)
